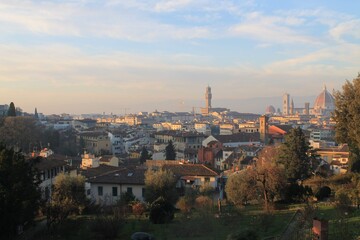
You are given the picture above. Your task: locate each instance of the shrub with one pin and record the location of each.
(106, 227)
(138, 209)
(323, 193)
(161, 212)
(204, 203)
(184, 204)
(244, 235)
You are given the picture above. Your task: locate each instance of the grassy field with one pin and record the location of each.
(201, 225)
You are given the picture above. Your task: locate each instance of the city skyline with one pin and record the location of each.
(108, 56)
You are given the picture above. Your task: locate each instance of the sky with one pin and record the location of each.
(117, 56)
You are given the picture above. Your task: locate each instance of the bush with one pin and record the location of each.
(244, 235)
(138, 209)
(323, 193)
(204, 203)
(184, 204)
(106, 227)
(161, 212)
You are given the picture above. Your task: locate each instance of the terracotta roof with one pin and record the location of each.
(47, 163)
(98, 171)
(123, 176)
(179, 133)
(238, 137)
(190, 170)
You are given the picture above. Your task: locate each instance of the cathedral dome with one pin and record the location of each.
(270, 109)
(324, 101)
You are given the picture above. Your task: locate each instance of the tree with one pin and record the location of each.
(144, 155)
(19, 192)
(20, 132)
(160, 184)
(347, 118)
(270, 176)
(170, 153)
(36, 115)
(68, 197)
(241, 187)
(296, 155)
(11, 111)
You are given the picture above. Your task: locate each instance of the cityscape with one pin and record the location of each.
(179, 119)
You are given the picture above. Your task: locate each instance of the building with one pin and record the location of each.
(107, 188)
(97, 143)
(208, 97)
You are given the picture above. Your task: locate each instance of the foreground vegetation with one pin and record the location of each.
(200, 225)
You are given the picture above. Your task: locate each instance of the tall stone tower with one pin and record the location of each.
(286, 104)
(208, 97)
(263, 129)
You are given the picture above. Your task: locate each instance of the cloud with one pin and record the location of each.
(172, 5)
(348, 28)
(270, 29)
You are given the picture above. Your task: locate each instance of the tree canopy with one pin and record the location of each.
(160, 184)
(144, 155)
(347, 118)
(295, 155)
(68, 197)
(241, 187)
(19, 192)
(170, 153)
(11, 111)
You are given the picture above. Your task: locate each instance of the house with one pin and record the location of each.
(337, 157)
(49, 167)
(106, 188)
(95, 142)
(234, 140)
(192, 175)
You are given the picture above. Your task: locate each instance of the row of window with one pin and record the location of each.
(129, 190)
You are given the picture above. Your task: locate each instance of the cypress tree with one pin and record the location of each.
(11, 111)
(170, 153)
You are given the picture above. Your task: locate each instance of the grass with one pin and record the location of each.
(209, 226)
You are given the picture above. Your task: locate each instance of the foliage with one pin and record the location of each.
(20, 132)
(349, 194)
(170, 153)
(296, 155)
(323, 193)
(346, 116)
(295, 192)
(68, 197)
(185, 204)
(244, 235)
(161, 211)
(144, 155)
(206, 189)
(106, 227)
(11, 111)
(160, 183)
(19, 193)
(138, 209)
(270, 177)
(204, 203)
(241, 187)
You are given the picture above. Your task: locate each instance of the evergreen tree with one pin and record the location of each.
(144, 155)
(36, 114)
(170, 153)
(19, 192)
(295, 155)
(347, 118)
(11, 111)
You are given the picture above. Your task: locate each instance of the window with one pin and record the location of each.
(143, 192)
(114, 191)
(100, 190)
(207, 179)
(129, 190)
